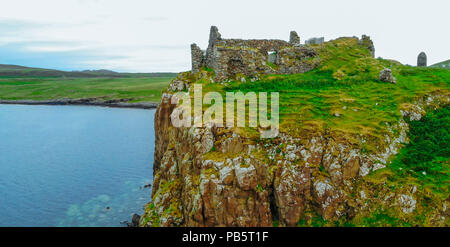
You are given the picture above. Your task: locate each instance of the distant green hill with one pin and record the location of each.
(444, 64)
(7, 70)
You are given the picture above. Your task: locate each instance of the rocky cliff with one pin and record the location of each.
(330, 165)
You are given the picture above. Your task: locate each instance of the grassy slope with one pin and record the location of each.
(441, 64)
(138, 89)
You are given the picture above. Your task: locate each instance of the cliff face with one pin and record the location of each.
(319, 175)
(254, 183)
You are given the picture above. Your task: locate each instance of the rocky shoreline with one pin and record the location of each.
(122, 103)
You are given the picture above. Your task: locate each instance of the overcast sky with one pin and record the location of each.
(155, 35)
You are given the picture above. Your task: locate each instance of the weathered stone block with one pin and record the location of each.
(196, 57)
(294, 39)
(422, 60)
(233, 58)
(366, 41)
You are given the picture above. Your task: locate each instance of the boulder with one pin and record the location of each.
(386, 76)
(135, 220)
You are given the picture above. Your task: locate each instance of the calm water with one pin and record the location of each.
(64, 165)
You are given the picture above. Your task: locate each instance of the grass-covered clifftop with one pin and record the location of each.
(345, 93)
(374, 153)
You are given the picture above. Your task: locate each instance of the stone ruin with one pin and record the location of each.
(422, 60)
(366, 41)
(238, 58)
(315, 41)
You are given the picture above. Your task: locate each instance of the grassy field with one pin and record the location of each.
(139, 89)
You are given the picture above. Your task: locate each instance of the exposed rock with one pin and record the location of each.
(407, 203)
(386, 76)
(177, 86)
(296, 60)
(292, 189)
(233, 58)
(220, 176)
(272, 57)
(422, 60)
(135, 220)
(246, 176)
(196, 58)
(248, 184)
(367, 42)
(294, 39)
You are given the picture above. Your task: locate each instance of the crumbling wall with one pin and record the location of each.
(294, 60)
(366, 41)
(294, 39)
(262, 45)
(232, 58)
(197, 56)
(315, 41)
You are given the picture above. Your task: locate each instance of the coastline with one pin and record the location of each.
(86, 102)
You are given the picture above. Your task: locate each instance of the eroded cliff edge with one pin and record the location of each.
(246, 183)
(231, 177)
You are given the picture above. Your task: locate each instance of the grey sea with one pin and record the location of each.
(74, 165)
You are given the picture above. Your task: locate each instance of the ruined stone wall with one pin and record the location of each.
(262, 45)
(197, 58)
(232, 58)
(315, 41)
(231, 63)
(294, 39)
(366, 41)
(294, 60)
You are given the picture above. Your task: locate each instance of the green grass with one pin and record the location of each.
(148, 89)
(344, 93)
(425, 163)
(382, 219)
(443, 64)
(427, 156)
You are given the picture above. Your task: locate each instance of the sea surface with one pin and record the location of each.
(74, 165)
